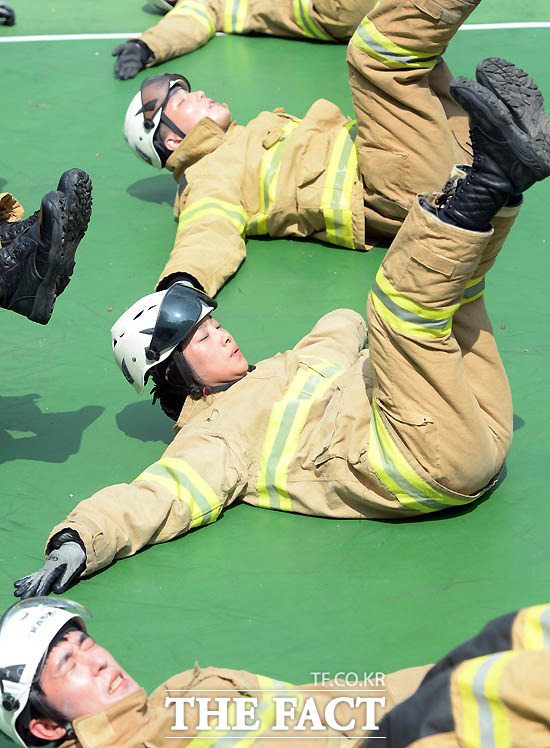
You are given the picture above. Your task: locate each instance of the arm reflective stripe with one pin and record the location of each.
(196, 10)
(339, 181)
(368, 39)
(286, 422)
(485, 722)
(269, 178)
(407, 316)
(206, 206)
(536, 627)
(395, 473)
(234, 16)
(306, 22)
(474, 289)
(181, 480)
(265, 712)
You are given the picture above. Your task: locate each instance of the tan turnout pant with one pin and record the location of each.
(410, 131)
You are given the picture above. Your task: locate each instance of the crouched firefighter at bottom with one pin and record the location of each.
(58, 684)
(421, 422)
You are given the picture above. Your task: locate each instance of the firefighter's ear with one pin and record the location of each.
(172, 141)
(46, 729)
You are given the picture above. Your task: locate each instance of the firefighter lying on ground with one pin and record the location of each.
(59, 685)
(37, 253)
(283, 176)
(191, 23)
(420, 422)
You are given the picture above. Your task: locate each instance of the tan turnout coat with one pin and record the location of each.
(194, 22)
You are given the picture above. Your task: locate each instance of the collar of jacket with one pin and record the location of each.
(114, 726)
(195, 404)
(204, 138)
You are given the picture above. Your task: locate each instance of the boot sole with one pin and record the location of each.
(44, 300)
(496, 120)
(516, 89)
(76, 185)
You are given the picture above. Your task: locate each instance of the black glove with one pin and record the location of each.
(7, 15)
(133, 56)
(62, 569)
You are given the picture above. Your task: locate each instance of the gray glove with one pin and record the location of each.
(133, 56)
(62, 569)
(7, 15)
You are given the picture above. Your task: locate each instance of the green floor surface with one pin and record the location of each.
(272, 593)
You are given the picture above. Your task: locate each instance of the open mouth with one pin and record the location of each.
(236, 350)
(115, 683)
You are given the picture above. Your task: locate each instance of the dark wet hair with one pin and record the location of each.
(173, 385)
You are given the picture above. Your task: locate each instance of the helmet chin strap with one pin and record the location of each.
(172, 125)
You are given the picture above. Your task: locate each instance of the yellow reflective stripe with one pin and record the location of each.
(306, 22)
(474, 289)
(368, 39)
(536, 627)
(265, 712)
(207, 206)
(269, 178)
(399, 478)
(485, 722)
(286, 422)
(234, 16)
(183, 481)
(337, 189)
(198, 11)
(407, 316)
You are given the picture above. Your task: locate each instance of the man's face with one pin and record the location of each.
(186, 108)
(214, 355)
(81, 678)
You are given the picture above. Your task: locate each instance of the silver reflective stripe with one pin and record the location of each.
(406, 316)
(474, 290)
(404, 59)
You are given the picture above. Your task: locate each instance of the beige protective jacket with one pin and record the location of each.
(279, 176)
(194, 22)
(139, 722)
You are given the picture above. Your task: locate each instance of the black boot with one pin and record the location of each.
(76, 185)
(10, 229)
(510, 135)
(32, 263)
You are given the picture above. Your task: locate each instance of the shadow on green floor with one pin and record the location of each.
(28, 433)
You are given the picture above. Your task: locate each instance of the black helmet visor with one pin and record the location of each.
(179, 312)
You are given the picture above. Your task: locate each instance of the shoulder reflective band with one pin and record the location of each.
(234, 16)
(286, 422)
(269, 177)
(406, 316)
(265, 712)
(207, 207)
(368, 39)
(304, 20)
(197, 10)
(535, 627)
(485, 721)
(398, 477)
(339, 181)
(474, 289)
(180, 479)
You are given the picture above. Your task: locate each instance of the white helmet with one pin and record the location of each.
(146, 112)
(163, 5)
(26, 631)
(148, 331)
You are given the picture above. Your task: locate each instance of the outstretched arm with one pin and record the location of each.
(196, 478)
